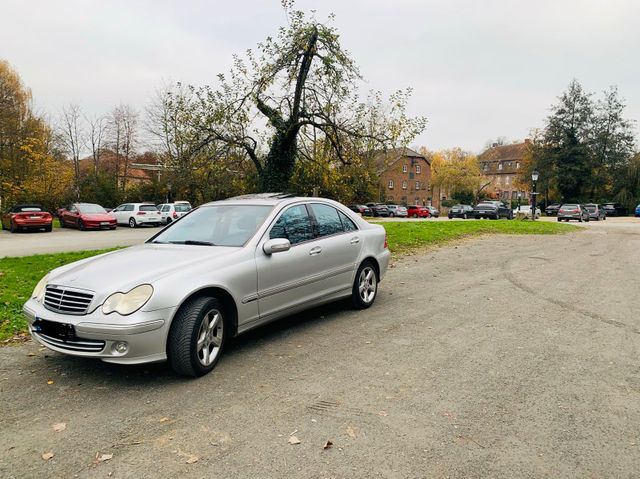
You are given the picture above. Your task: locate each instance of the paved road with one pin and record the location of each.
(60, 240)
(498, 357)
(28, 243)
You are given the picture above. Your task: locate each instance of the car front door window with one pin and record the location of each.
(294, 224)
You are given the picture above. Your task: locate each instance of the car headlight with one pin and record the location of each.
(38, 291)
(127, 303)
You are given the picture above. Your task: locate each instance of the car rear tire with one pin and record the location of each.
(390, 215)
(415, 215)
(132, 223)
(48, 228)
(12, 227)
(169, 220)
(197, 336)
(365, 286)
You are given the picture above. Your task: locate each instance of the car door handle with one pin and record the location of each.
(355, 240)
(315, 251)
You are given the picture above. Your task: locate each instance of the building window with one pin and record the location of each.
(517, 165)
(390, 184)
(500, 166)
(417, 185)
(405, 168)
(506, 180)
(404, 185)
(418, 169)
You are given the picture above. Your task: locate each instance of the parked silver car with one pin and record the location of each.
(227, 267)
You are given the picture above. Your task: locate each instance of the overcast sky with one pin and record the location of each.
(479, 69)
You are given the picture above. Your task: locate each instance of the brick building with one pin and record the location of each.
(405, 177)
(502, 165)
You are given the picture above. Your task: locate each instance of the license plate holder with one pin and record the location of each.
(62, 331)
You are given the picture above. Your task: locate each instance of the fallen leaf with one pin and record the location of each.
(382, 413)
(327, 444)
(192, 459)
(47, 455)
(59, 427)
(350, 432)
(50, 381)
(164, 419)
(31, 354)
(294, 440)
(102, 457)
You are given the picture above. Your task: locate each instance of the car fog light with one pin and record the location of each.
(121, 347)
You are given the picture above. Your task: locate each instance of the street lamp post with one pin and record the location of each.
(534, 194)
(519, 198)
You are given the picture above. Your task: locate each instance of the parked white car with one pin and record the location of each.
(137, 214)
(172, 211)
(225, 268)
(526, 210)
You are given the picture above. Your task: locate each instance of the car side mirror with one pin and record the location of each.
(276, 245)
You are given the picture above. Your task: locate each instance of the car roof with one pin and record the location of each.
(266, 199)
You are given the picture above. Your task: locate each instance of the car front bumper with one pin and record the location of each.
(98, 335)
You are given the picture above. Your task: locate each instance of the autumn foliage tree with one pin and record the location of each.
(458, 173)
(300, 83)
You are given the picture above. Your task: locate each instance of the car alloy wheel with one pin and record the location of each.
(365, 287)
(132, 223)
(197, 336)
(464, 216)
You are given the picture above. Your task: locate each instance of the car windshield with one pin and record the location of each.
(148, 208)
(219, 225)
(91, 208)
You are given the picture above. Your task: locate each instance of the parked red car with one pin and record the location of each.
(27, 217)
(86, 216)
(417, 211)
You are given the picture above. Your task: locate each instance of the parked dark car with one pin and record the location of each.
(379, 209)
(398, 210)
(417, 211)
(638, 211)
(552, 210)
(596, 212)
(26, 217)
(362, 209)
(86, 216)
(615, 209)
(573, 211)
(461, 211)
(493, 210)
(434, 211)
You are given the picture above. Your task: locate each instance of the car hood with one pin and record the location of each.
(127, 268)
(98, 217)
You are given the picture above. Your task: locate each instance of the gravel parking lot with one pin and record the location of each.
(497, 357)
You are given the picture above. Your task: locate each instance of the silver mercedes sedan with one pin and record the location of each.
(223, 269)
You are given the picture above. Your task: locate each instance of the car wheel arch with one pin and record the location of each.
(223, 295)
(374, 261)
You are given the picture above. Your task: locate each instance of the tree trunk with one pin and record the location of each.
(280, 162)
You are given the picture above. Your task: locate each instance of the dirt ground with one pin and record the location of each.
(497, 357)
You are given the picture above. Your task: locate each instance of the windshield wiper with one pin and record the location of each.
(193, 242)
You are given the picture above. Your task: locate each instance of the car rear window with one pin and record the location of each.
(569, 207)
(27, 209)
(148, 208)
(591, 207)
(182, 208)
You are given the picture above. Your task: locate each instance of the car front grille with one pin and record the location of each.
(67, 300)
(82, 345)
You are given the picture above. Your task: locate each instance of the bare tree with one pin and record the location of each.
(122, 134)
(95, 138)
(72, 136)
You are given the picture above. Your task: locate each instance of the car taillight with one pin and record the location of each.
(386, 245)
(175, 215)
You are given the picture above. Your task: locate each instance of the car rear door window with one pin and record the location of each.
(347, 224)
(294, 224)
(327, 220)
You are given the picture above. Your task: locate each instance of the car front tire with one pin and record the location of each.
(365, 286)
(197, 336)
(132, 223)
